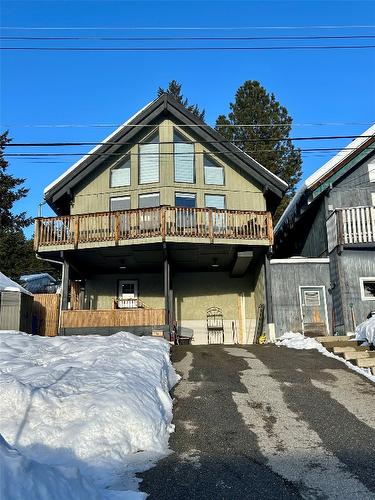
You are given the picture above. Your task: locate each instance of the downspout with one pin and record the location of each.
(269, 304)
(62, 270)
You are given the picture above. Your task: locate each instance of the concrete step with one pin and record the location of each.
(359, 354)
(366, 362)
(334, 338)
(356, 348)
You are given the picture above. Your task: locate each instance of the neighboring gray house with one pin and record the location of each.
(331, 216)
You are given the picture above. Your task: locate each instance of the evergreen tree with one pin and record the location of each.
(266, 139)
(17, 256)
(174, 89)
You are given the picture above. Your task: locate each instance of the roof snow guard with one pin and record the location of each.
(317, 182)
(163, 105)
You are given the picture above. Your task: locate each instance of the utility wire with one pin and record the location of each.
(186, 49)
(189, 28)
(224, 141)
(237, 125)
(187, 38)
(160, 153)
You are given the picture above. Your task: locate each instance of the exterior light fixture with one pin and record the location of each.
(214, 263)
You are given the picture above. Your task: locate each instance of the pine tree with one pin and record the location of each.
(267, 139)
(17, 256)
(174, 89)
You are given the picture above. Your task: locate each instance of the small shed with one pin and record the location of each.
(16, 305)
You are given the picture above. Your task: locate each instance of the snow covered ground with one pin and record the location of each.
(80, 415)
(296, 340)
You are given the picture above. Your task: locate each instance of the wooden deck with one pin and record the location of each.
(351, 226)
(153, 224)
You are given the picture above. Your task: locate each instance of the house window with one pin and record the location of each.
(371, 171)
(149, 161)
(184, 169)
(367, 286)
(185, 200)
(214, 201)
(120, 203)
(213, 173)
(149, 200)
(120, 174)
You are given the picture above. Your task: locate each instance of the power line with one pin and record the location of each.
(187, 38)
(188, 28)
(237, 125)
(160, 153)
(185, 49)
(224, 141)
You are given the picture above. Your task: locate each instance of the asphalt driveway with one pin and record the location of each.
(267, 422)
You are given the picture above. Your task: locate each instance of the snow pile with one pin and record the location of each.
(100, 404)
(295, 340)
(23, 478)
(366, 331)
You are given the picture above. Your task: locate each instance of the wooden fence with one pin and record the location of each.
(46, 314)
(112, 317)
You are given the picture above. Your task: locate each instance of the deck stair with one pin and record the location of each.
(350, 350)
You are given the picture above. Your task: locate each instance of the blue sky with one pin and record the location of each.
(316, 86)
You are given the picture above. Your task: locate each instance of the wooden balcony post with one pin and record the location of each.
(76, 231)
(117, 228)
(163, 223)
(269, 228)
(210, 226)
(36, 234)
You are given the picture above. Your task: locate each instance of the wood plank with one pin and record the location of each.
(358, 354)
(46, 310)
(366, 363)
(112, 317)
(341, 350)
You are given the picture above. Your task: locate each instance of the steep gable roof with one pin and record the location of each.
(163, 105)
(333, 167)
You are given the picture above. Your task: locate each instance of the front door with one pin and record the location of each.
(313, 310)
(127, 294)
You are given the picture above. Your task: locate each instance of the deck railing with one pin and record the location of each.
(351, 226)
(163, 222)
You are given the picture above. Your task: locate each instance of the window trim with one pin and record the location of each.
(175, 131)
(362, 288)
(371, 171)
(215, 194)
(148, 194)
(124, 159)
(125, 196)
(204, 171)
(185, 193)
(145, 141)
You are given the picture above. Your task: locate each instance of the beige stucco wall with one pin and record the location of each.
(94, 193)
(194, 293)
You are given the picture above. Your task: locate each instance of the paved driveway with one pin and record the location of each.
(264, 422)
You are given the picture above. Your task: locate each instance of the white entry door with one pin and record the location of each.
(127, 294)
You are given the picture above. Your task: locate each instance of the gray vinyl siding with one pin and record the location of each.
(286, 278)
(352, 265)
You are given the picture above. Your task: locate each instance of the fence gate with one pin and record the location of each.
(46, 314)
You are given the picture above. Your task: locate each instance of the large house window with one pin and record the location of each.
(185, 200)
(214, 201)
(120, 203)
(149, 161)
(120, 174)
(213, 173)
(149, 200)
(184, 169)
(367, 288)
